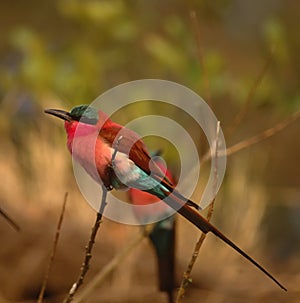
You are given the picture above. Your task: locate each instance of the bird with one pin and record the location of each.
(117, 158)
(162, 236)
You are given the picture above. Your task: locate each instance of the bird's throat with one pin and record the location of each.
(75, 128)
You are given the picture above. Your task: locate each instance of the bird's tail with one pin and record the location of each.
(163, 240)
(192, 215)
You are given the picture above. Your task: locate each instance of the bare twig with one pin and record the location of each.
(88, 251)
(186, 279)
(111, 266)
(263, 135)
(54, 246)
(257, 138)
(196, 27)
(9, 220)
(242, 113)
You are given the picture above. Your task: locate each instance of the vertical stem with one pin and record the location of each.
(88, 250)
(186, 279)
(54, 246)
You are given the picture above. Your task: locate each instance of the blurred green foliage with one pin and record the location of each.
(104, 43)
(75, 50)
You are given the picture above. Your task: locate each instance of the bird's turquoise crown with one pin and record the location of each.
(84, 113)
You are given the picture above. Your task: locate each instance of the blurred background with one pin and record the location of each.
(57, 54)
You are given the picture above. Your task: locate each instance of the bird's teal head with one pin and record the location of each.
(82, 113)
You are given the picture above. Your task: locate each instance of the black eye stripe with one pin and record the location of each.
(87, 120)
(84, 119)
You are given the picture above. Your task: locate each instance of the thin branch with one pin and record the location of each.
(263, 135)
(270, 132)
(53, 253)
(243, 111)
(110, 267)
(9, 220)
(196, 27)
(186, 280)
(88, 251)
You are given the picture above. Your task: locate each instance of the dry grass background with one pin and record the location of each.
(220, 275)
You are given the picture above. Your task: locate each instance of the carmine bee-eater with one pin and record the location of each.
(162, 236)
(122, 161)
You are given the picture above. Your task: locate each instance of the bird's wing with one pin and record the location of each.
(131, 144)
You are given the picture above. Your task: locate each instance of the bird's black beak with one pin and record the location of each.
(62, 114)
